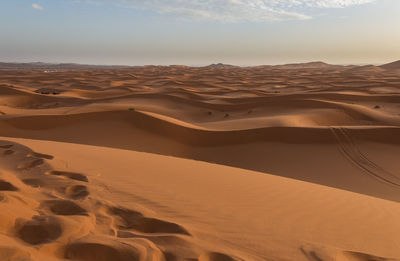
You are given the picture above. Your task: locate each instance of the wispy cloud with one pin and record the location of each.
(37, 7)
(237, 10)
(334, 3)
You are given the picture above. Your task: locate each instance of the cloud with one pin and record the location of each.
(37, 7)
(336, 3)
(237, 10)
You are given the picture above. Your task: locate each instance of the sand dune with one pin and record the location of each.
(291, 162)
(92, 215)
(392, 66)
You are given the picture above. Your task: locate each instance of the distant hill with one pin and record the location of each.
(390, 66)
(220, 65)
(40, 65)
(309, 65)
(364, 69)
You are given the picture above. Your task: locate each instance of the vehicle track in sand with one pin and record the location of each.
(350, 150)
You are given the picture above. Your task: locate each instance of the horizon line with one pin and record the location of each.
(198, 65)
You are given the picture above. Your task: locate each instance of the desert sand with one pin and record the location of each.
(292, 162)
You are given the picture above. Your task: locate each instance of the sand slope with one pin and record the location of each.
(93, 214)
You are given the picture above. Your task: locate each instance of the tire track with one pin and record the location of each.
(360, 160)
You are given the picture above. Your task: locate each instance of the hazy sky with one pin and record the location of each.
(197, 32)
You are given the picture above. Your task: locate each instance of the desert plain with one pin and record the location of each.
(293, 162)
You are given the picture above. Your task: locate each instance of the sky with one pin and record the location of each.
(200, 32)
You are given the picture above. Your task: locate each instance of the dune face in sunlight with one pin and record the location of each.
(291, 162)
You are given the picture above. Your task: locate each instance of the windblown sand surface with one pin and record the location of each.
(295, 162)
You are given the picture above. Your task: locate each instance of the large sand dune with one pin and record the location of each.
(293, 162)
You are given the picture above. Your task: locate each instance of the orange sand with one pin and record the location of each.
(294, 162)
